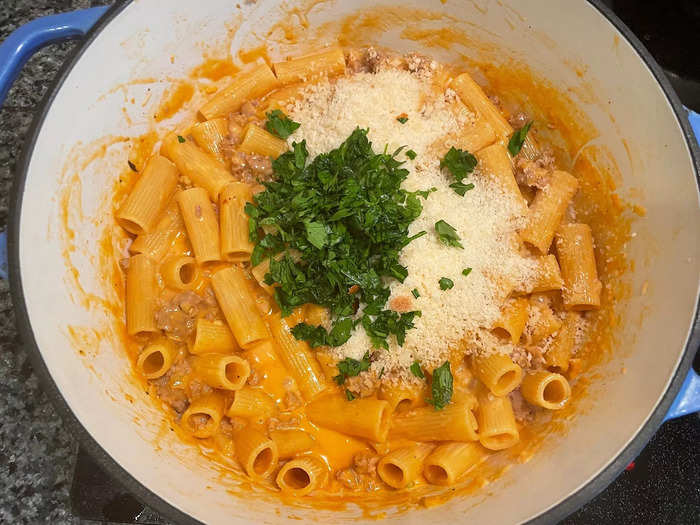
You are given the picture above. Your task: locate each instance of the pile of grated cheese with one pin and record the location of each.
(486, 219)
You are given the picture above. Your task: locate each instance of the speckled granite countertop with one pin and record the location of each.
(37, 452)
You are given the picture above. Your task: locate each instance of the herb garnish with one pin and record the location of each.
(349, 395)
(181, 139)
(403, 118)
(349, 367)
(131, 165)
(460, 163)
(346, 218)
(517, 139)
(411, 154)
(280, 124)
(466, 271)
(416, 370)
(461, 188)
(415, 293)
(447, 234)
(445, 283)
(441, 388)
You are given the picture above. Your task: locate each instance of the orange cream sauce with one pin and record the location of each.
(519, 89)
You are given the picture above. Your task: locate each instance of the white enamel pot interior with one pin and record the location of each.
(122, 427)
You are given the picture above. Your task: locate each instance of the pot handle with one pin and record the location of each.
(29, 38)
(22, 43)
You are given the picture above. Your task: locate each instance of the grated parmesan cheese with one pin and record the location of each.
(486, 218)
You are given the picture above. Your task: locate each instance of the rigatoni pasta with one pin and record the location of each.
(331, 315)
(142, 209)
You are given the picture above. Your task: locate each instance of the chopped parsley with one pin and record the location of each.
(345, 219)
(416, 370)
(381, 373)
(517, 139)
(349, 367)
(349, 395)
(411, 154)
(181, 139)
(403, 118)
(459, 163)
(447, 234)
(445, 283)
(466, 271)
(131, 165)
(415, 293)
(280, 124)
(441, 387)
(461, 188)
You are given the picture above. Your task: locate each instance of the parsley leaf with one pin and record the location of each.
(411, 154)
(402, 119)
(279, 124)
(316, 234)
(517, 139)
(416, 370)
(459, 163)
(445, 283)
(425, 193)
(349, 367)
(181, 139)
(415, 293)
(441, 387)
(349, 395)
(466, 271)
(461, 188)
(332, 224)
(447, 234)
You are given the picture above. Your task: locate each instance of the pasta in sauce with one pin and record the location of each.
(470, 330)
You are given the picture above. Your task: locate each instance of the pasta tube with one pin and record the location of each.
(210, 136)
(141, 296)
(202, 169)
(450, 461)
(212, 337)
(498, 372)
(157, 243)
(301, 476)
(401, 399)
(497, 428)
(546, 389)
(455, 422)
(203, 416)
(156, 359)
(366, 417)
(142, 209)
(226, 372)
(257, 140)
(547, 210)
(513, 319)
(235, 243)
(402, 466)
(326, 63)
(256, 453)
(494, 162)
(291, 442)
(476, 100)
(559, 352)
(239, 307)
(202, 227)
(574, 244)
(297, 357)
(251, 402)
(245, 86)
(180, 273)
